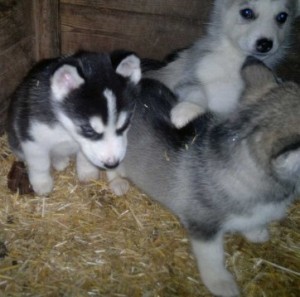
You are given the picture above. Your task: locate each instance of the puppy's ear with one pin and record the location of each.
(287, 162)
(256, 74)
(64, 80)
(127, 64)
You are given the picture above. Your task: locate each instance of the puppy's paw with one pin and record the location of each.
(184, 112)
(222, 285)
(257, 235)
(86, 175)
(60, 163)
(119, 186)
(42, 185)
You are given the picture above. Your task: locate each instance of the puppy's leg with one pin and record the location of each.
(193, 104)
(86, 171)
(60, 162)
(38, 163)
(222, 96)
(258, 235)
(184, 112)
(117, 183)
(210, 259)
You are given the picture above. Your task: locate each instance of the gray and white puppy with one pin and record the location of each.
(219, 176)
(206, 76)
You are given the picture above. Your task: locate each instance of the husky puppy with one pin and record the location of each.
(206, 76)
(73, 105)
(219, 176)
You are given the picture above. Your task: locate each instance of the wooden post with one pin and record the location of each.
(47, 28)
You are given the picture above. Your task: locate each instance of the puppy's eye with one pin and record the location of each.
(247, 14)
(88, 132)
(281, 17)
(124, 127)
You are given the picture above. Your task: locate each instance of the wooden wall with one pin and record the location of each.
(27, 34)
(31, 30)
(17, 47)
(152, 28)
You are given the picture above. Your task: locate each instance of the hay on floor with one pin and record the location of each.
(84, 241)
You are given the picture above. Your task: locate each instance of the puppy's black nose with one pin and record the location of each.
(111, 165)
(264, 45)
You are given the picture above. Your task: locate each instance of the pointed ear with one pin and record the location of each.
(130, 66)
(287, 163)
(64, 80)
(256, 74)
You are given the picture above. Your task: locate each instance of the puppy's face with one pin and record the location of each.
(259, 28)
(96, 110)
(99, 125)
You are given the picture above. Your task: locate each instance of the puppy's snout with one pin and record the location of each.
(111, 164)
(264, 45)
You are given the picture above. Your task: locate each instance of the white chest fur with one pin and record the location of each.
(219, 75)
(54, 139)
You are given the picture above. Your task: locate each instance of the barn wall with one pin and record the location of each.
(151, 28)
(31, 30)
(27, 34)
(16, 47)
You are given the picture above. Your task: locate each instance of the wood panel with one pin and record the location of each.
(46, 28)
(16, 48)
(152, 28)
(15, 22)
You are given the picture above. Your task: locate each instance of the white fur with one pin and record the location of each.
(130, 67)
(50, 142)
(213, 64)
(117, 183)
(210, 260)
(97, 124)
(122, 118)
(86, 171)
(185, 111)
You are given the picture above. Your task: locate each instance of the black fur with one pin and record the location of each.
(32, 98)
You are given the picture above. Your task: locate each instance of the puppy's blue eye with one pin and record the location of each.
(281, 17)
(247, 14)
(88, 132)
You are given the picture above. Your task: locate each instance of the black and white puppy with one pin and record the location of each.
(80, 104)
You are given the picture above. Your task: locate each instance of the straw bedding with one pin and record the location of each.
(84, 241)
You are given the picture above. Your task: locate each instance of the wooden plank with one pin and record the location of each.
(14, 64)
(15, 22)
(46, 28)
(189, 9)
(152, 28)
(16, 48)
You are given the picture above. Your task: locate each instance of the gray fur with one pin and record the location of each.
(218, 176)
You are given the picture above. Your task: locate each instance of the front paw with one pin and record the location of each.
(222, 285)
(60, 163)
(86, 175)
(184, 112)
(257, 235)
(42, 184)
(119, 186)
